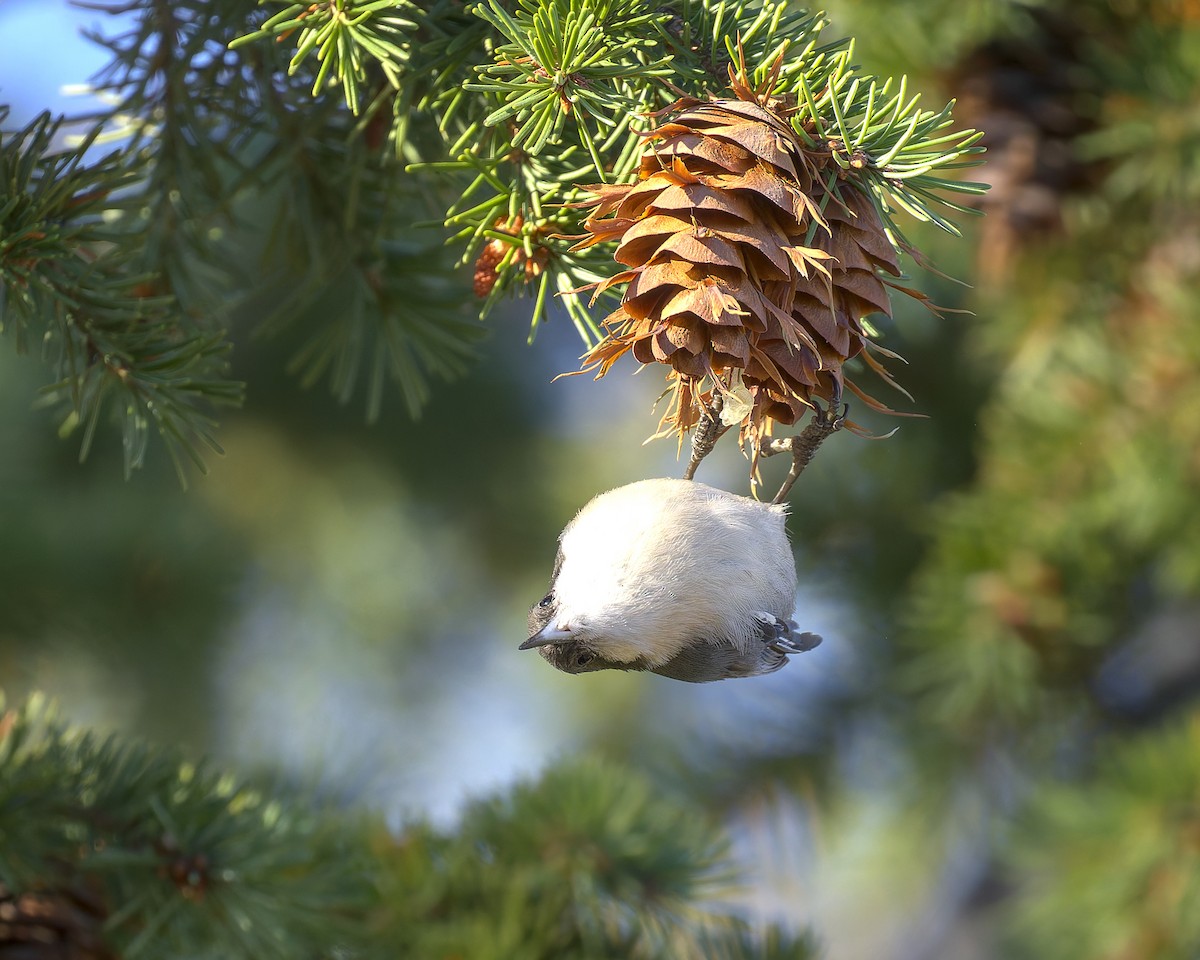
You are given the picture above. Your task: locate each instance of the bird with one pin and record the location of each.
(673, 577)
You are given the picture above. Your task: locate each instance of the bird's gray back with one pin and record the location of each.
(706, 662)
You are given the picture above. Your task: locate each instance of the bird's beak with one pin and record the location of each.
(548, 635)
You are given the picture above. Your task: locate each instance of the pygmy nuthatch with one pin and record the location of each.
(674, 577)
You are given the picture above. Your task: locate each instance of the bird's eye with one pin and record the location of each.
(546, 600)
(584, 659)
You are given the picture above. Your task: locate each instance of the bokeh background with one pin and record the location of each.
(1009, 590)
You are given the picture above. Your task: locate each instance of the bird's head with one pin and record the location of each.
(569, 648)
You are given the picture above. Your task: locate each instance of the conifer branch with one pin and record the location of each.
(73, 280)
(488, 118)
(141, 853)
(565, 98)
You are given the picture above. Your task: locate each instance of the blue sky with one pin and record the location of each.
(41, 51)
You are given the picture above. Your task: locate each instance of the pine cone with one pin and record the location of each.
(494, 251)
(744, 266)
(489, 258)
(1034, 93)
(52, 925)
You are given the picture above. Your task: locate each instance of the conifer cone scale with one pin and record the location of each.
(751, 262)
(52, 925)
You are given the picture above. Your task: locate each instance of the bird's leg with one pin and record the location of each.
(803, 448)
(708, 431)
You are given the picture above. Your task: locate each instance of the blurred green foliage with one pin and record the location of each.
(122, 850)
(1119, 864)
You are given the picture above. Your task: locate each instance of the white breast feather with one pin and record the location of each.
(655, 565)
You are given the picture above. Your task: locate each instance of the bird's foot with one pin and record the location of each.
(829, 419)
(826, 421)
(709, 430)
